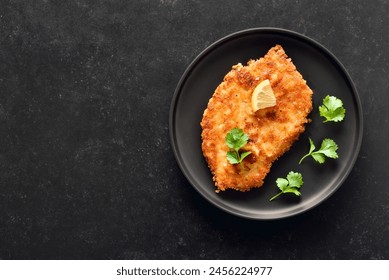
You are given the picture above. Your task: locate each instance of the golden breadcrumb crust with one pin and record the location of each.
(271, 131)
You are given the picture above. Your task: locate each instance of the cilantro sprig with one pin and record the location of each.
(235, 140)
(292, 184)
(328, 149)
(332, 109)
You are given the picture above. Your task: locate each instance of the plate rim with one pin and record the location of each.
(278, 31)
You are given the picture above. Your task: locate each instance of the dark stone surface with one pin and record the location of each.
(86, 167)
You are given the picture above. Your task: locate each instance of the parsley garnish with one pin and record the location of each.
(292, 183)
(236, 139)
(328, 148)
(332, 109)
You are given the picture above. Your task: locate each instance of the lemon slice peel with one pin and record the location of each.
(263, 96)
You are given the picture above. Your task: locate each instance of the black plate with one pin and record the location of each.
(323, 73)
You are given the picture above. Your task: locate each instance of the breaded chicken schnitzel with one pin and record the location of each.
(271, 131)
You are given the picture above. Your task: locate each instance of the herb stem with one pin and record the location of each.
(238, 157)
(301, 160)
(274, 197)
(237, 153)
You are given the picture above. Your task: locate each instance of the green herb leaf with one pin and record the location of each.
(236, 139)
(282, 183)
(320, 158)
(293, 190)
(332, 109)
(292, 184)
(311, 146)
(295, 179)
(328, 149)
(233, 157)
(244, 154)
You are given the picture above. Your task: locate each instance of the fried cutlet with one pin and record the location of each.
(271, 131)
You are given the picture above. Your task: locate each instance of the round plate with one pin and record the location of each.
(324, 75)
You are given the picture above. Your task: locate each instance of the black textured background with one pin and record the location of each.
(86, 167)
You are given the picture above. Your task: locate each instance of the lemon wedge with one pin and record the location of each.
(263, 96)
